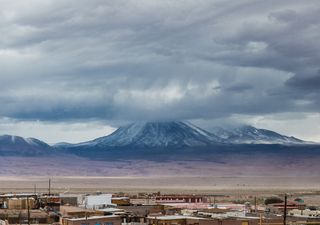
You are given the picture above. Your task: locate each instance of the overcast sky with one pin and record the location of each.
(72, 70)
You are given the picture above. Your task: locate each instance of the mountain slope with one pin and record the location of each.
(154, 135)
(15, 145)
(148, 135)
(252, 135)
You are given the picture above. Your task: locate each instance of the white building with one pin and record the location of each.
(97, 201)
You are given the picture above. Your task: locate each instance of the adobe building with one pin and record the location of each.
(15, 216)
(93, 220)
(188, 220)
(120, 200)
(179, 199)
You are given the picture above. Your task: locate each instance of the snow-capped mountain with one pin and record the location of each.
(11, 145)
(179, 135)
(251, 135)
(154, 135)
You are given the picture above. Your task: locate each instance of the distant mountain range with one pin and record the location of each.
(164, 148)
(251, 135)
(154, 135)
(13, 145)
(180, 135)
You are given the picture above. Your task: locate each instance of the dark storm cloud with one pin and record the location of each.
(129, 60)
(306, 82)
(240, 87)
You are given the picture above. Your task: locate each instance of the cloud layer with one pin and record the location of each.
(124, 60)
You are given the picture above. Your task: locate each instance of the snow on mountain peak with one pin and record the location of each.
(176, 134)
(157, 135)
(17, 140)
(250, 135)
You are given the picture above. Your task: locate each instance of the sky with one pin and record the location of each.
(77, 69)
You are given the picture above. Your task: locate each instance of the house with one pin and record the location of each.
(179, 199)
(279, 207)
(189, 220)
(93, 220)
(98, 201)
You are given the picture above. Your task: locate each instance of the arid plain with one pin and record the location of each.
(170, 177)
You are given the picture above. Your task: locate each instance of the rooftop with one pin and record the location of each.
(173, 217)
(92, 218)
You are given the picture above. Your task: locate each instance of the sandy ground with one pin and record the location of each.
(231, 166)
(232, 175)
(205, 185)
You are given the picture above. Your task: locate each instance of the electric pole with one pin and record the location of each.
(49, 186)
(28, 207)
(285, 210)
(255, 204)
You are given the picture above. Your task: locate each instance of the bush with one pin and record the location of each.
(272, 200)
(312, 208)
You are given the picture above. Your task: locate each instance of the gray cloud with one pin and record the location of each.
(131, 60)
(306, 82)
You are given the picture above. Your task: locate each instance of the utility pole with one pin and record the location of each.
(28, 207)
(260, 219)
(285, 210)
(86, 216)
(255, 204)
(35, 189)
(20, 217)
(49, 186)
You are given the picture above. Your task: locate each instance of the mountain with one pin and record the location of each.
(162, 148)
(251, 135)
(15, 145)
(148, 135)
(153, 135)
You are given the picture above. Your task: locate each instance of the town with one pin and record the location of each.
(156, 208)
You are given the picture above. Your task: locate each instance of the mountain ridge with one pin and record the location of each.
(16, 145)
(177, 134)
(152, 135)
(246, 134)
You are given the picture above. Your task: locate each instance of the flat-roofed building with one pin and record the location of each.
(93, 220)
(98, 201)
(179, 199)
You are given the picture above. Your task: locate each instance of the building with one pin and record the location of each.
(279, 207)
(93, 220)
(179, 199)
(21, 203)
(143, 210)
(71, 199)
(18, 201)
(77, 212)
(51, 202)
(307, 213)
(188, 220)
(98, 201)
(15, 216)
(120, 200)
